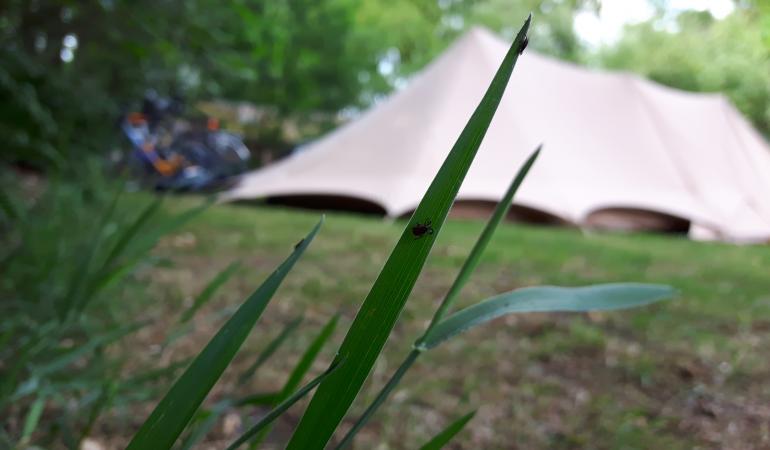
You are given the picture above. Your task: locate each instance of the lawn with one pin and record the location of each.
(692, 372)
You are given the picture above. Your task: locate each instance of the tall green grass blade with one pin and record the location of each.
(443, 438)
(377, 316)
(600, 297)
(270, 349)
(100, 404)
(296, 375)
(33, 418)
(74, 301)
(133, 245)
(379, 400)
(469, 265)
(501, 210)
(307, 359)
(175, 410)
(131, 231)
(283, 406)
(207, 423)
(208, 292)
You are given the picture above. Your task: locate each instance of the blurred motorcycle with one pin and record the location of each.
(171, 154)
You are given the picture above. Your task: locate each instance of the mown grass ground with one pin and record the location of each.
(690, 373)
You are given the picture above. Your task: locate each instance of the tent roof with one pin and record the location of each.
(611, 140)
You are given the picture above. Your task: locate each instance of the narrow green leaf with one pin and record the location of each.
(296, 375)
(283, 406)
(307, 359)
(472, 261)
(74, 300)
(207, 421)
(377, 316)
(131, 231)
(208, 292)
(443, 438)
(260, 399)
(100, 404)
(600, 297)
(33, 418)
(175, 410)
(271, 348)
(394, 380)
(470, 264)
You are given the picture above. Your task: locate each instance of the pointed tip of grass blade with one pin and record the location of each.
(440, 440)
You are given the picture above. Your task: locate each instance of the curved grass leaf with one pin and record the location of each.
(175, 410)
(600, 297)
(283, 406)
(296, 375)
(443, 438)
(377, 316)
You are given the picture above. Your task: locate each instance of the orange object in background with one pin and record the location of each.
(136, 118)
(212, 124)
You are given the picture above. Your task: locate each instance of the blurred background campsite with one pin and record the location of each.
(105, 102)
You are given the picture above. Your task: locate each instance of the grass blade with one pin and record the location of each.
(271, 348)
(601, 297)
(472, 261)
(131, 231)
(377, 316)
(175, 410)
(208, 292)
(207, 423)
(469, 265)
(68, 357)
(283, 406)
(443, 438)
(33, 418)
(307, 359)
(296, 375)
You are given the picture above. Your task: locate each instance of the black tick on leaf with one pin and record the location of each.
(524, 44)
(421, 229)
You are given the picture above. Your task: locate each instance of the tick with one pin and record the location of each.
(421, 229)
(524, 44)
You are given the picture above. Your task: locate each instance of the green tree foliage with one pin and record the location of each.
(698, 53)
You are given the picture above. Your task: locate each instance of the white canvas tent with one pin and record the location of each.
(619, 151)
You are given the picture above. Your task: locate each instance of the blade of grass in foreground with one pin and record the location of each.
(175, 410)
(377, 316)
(296, 375)
(469, 265)
(443, 438)
(283, 406)
(601, 297)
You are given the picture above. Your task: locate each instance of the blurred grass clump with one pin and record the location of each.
(66, 244)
